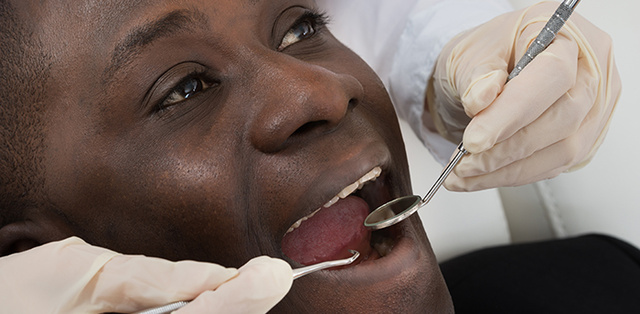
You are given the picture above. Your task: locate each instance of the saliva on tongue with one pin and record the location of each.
(330, 233)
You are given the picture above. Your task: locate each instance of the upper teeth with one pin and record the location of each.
(369, 176)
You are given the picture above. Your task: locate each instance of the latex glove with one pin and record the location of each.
(71, 276)
(549, 119)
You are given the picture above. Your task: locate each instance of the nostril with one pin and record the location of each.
(308, 127)
(316, 104)
(353, 102)
(320, 125)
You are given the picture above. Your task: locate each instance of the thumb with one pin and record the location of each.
(71, 276)
(478, 63)
(470, 74)
(260, 285)
(485, 85)
(129, 283)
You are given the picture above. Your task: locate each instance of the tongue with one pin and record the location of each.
(330, 233)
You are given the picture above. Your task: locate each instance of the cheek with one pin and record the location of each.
(160, 200)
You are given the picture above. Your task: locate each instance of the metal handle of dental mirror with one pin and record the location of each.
(546, 35)
(297, 273)
(399, 209)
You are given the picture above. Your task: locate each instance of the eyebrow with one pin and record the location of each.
(140, 37)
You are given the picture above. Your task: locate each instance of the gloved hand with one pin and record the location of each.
(549, 119)
(71, 276)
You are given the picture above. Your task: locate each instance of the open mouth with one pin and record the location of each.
(333, 229)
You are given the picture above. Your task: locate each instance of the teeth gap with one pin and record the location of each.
(369, 176)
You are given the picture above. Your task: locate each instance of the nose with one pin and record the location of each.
(298, 100)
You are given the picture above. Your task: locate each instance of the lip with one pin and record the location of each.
(407, 280)
(379, 192)
(405, 257)
(333, 180)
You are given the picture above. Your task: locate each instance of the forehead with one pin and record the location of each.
(114, 14)
(105, 23)
(92, 40)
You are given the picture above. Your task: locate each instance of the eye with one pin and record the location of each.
(300, 31)
(305, 27)
(187, 88)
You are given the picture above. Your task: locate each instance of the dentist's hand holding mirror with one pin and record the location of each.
(550, 119)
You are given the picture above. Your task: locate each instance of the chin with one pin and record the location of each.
(406, 280)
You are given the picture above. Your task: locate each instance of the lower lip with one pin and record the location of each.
(403, 254)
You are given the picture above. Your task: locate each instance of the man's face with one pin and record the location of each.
(206, 129)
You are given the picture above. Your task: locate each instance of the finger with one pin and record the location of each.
(560, 121)
(544, 164)
(260, 285)
(526, 97)
(55, 274)
(130, 283)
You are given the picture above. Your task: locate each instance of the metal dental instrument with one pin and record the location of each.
(297, 273)
(398, 209)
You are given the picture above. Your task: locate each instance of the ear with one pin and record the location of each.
(23, 235)
(16, 237)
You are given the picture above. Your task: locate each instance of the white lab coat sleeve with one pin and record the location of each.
(401, 41)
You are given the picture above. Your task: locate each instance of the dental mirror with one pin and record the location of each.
(400, 208)
(397, 210)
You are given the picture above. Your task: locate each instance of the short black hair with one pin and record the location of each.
(24, 71)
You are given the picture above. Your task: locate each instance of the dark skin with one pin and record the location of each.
(271, 130)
